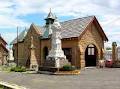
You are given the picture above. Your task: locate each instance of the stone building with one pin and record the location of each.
(118, 53)
(82, 42)
(108, 55)
(3, 51)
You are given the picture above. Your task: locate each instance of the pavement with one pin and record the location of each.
(90, 78)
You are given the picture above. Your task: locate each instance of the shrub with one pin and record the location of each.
(12, 69)
(68, 68)
(18, 69)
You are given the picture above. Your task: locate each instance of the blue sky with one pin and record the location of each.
(22, 13)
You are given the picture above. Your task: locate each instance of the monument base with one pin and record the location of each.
(34, 67)
(57, 63)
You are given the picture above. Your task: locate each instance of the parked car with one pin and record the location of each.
(109, 63)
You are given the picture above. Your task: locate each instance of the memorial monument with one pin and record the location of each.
(56, 56)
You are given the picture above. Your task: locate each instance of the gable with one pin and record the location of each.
(91, 36)
(100, 30)
(24, 33)
(96, 34)
(95, 24)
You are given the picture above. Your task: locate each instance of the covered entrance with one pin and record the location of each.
(90, 55)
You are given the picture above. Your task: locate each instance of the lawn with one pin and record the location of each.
(1, 87)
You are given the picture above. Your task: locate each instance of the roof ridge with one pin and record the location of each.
(77, 18)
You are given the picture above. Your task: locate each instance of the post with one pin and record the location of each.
(17, 48)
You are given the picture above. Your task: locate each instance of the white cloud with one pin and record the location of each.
(114, 3)
(9, 36)
(9, 22)
(107, 12)
(7, 18)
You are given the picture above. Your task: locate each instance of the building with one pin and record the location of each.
(82, 41)
(108, 55)
(118, 52)
(3, 51)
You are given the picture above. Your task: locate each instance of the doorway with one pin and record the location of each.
(90, 55)
(45, 52)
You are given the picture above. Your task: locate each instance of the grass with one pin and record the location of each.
(4, 68)
(18, 69)
(12, 69)
(1, 87)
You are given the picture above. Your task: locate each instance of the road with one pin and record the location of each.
(88, 79)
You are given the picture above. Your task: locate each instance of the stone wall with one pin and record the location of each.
(21, 53)
(91, 36)
(24, 47)
(3, 52)
(66, 43)
(3, 56)
(44, 43)
(36, 42)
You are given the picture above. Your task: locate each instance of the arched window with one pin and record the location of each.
(45, 52)
(91, 49)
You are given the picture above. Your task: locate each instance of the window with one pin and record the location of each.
(91, 50)
(68, 53)
(45, 51)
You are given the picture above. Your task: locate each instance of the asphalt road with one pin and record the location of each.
(88, 79)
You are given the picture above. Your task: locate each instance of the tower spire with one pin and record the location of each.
(50, 9)
(49, 21)
(50, 18)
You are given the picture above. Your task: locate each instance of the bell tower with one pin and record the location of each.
(50, 18)
(49, 21)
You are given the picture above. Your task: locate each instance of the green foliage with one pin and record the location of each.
(68, 68)
(108, 48)
(18, 69)
(1, 87)
(4, 68)
(114, 44)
